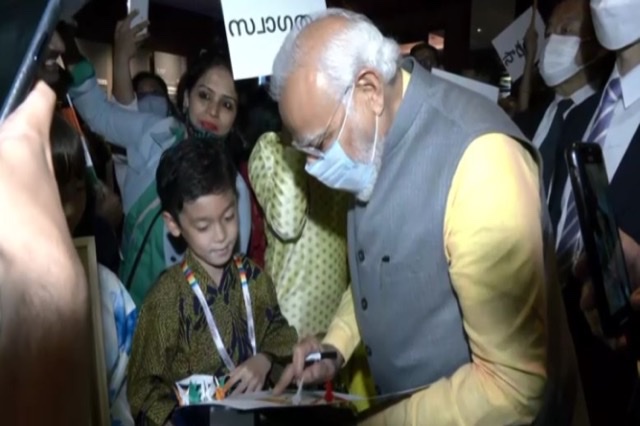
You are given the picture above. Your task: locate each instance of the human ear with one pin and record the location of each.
(172, 225)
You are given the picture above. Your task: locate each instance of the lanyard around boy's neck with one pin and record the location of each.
(213, 328)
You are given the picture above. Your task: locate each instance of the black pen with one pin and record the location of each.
(314, 357)
(310, 359)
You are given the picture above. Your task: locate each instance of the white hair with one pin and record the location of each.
(359, 45)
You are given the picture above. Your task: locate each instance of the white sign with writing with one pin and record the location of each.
(510, 43)
(486, 90)
(256, 29)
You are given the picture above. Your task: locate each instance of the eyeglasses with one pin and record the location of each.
(313, 147)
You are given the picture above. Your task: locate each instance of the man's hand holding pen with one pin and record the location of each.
(313, 363)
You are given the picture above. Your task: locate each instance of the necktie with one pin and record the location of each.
(570, 237)
(552, 140)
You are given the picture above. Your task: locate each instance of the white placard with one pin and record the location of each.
(486, 90)
(510, 43)
(256, 29)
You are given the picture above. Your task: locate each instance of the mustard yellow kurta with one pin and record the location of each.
(306, 236)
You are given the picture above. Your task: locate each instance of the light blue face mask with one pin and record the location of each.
(154, 104)
(338, 171)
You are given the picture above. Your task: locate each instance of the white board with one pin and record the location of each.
(256, 29)
(510, 43)
(486, 90)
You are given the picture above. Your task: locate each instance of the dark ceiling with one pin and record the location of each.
(185, 26)
(391, 16)
(402, 18)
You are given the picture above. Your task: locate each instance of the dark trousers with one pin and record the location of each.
(608, 377)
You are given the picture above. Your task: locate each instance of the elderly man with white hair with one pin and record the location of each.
(451, 254)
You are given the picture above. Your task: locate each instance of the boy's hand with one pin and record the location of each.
(250, 376)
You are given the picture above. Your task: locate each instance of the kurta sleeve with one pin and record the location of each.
(278, 179)
(150, 393)
(343, 333)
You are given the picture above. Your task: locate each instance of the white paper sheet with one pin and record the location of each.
(265, 399)
(510, 43)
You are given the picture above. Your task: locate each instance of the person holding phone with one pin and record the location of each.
(631, 250)
(210, 108)
(146, 91)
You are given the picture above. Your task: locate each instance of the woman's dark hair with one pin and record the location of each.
(192, 169)
(235, 144)
(205, 61)
(146, 75)
(67, 152)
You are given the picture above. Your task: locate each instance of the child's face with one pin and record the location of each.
(74, 201)
(209, 225)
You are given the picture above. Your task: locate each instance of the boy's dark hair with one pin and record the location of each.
(192, 169)
(67, 152)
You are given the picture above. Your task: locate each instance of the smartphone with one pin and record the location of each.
(26, 26)
(142, 6)
(601, 238)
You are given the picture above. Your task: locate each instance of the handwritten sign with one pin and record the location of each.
(486, 90)
(510, 43)
(256, 29)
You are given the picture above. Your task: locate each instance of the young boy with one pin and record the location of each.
(196, 319)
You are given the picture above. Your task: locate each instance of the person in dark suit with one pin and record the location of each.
(572, 65)
(608, 377)
(426, 55)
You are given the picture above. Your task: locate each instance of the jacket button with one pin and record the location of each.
(360, 256)
(367, 350)
(364, 304)
(386, 259)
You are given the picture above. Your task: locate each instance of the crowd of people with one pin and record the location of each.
(361, 206)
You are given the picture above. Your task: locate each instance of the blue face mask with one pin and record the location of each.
(154, 104)
(336, 170)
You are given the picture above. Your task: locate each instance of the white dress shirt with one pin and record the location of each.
(578, 97)
(624, 124)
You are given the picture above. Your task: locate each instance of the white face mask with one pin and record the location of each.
(338, 171)
(154, 104)
(558, 63)
(617, 22)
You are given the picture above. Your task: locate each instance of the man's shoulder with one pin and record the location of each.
(468, 112)
(496, 145)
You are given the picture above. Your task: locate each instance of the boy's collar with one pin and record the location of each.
(200, 273)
